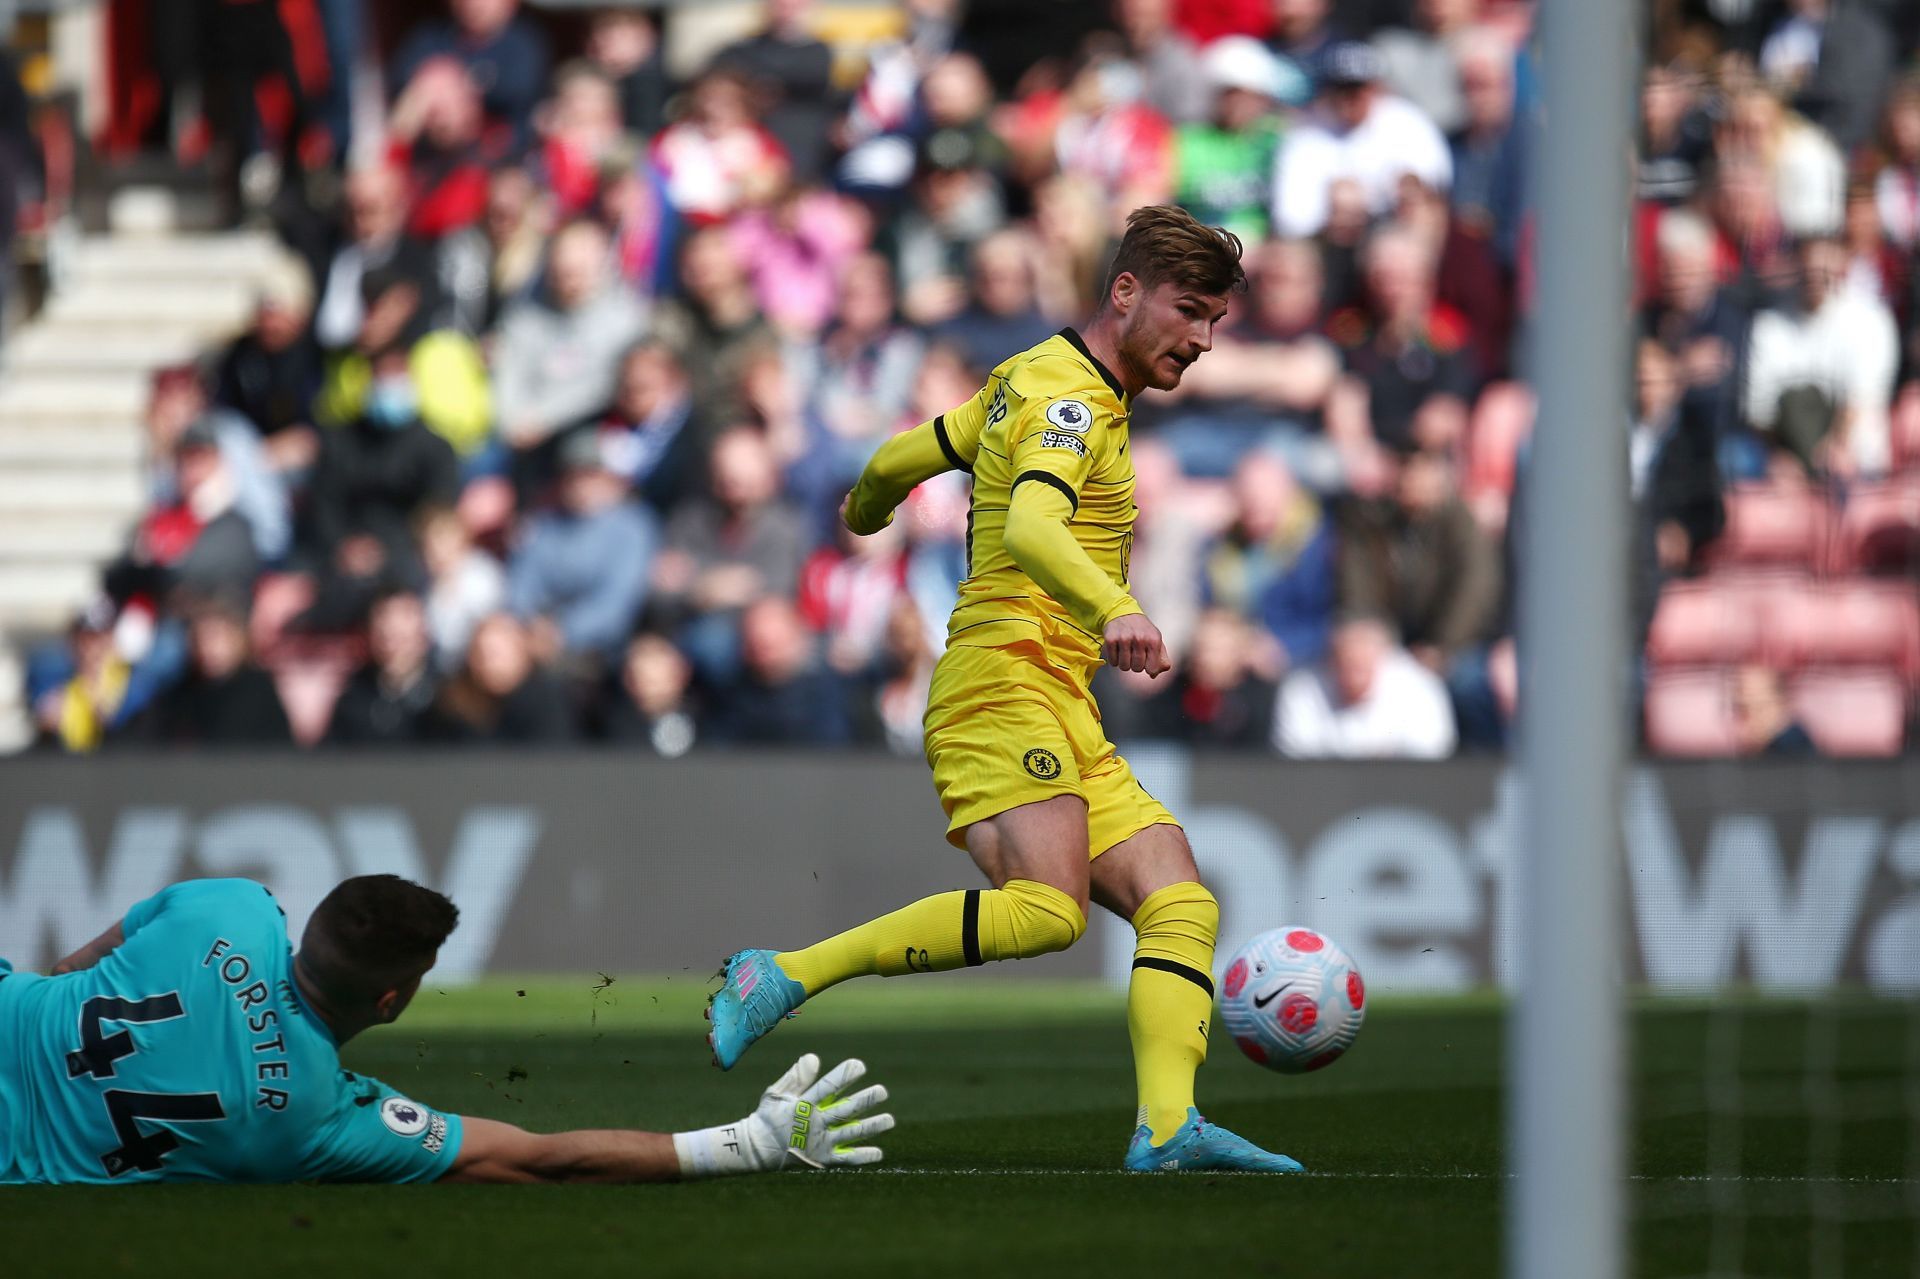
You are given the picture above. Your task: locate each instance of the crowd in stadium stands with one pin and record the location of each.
(538, 437)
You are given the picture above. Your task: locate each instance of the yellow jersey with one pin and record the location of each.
(1053, 415)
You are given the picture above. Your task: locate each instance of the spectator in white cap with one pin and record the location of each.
(1223, 166)
(1360, 133)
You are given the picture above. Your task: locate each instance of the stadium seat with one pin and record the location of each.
(1688, 713)
(1716, 620)
(1879, 528)
(1851, 712)
(1859, 622)
(1772, 525)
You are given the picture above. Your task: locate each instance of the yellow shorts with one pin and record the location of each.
(1006, 726)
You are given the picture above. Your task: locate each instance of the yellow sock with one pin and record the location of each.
(1170, 1000)
(950, 930)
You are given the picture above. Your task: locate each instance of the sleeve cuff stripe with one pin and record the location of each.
(1047, 477)
(946, 444)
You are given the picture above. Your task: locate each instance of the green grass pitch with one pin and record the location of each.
(1015, 1102)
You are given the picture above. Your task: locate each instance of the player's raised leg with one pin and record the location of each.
(1034, 855)
(1150, 880)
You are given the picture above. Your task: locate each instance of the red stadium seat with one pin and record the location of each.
(1860, 622)
(1879, 528)
(1717, 620)
(1772, 525)
(1689, 713)
(1851, 712)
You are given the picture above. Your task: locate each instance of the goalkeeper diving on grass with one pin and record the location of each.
(1032, 788)
(189, 1042)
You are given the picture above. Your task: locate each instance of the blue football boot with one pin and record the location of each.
(1198, 1146)
(755, 998)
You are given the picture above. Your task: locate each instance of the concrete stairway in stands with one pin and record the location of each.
(73, 383)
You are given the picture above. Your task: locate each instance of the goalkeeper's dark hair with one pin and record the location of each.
(373, 934)
(1166, 243)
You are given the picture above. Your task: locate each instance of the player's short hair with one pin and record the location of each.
(1164, 243)
(373, 934)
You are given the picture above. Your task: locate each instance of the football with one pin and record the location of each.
(1293, 1000)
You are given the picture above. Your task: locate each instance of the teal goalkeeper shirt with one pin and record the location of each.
(187, 1054)
(1226, 179)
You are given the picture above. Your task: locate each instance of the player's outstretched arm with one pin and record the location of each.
(93, 952)
(900, 465)
(804, 1120)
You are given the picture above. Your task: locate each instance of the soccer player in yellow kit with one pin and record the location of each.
(1032, 788)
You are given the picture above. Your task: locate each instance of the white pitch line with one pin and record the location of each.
(1683, 1179)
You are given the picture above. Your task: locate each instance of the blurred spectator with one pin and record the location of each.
(1224, 166)
(847, 593)
(244, 46)
(1410, 379)
(1471, 282)
(625, 45)
(1422, 562)
(176, 401)
(1096, 128)
(464, 583)
(724, 553)
(1897, 188)
(795, 250)
(792, 71)
(914, 86)
(653, 435)
(581, 136)
(1875, 268)
(437, 132)
(1489, 149)
(1763, 724)
(1369, 700)
(579, 576)
(856, 383)
(1751, 235)
(500, 697)
(1070, 245)
(445, 374)
(557, 354)
(1806, 171)
(716, 326)
(374, 240)
(717, 158)
(485, 268)
(225, 700)
(956, 205)
(19, 158)
(1275, 563)
(271, 372)
(1421, 63)
(1361, 133)
(1168, 58)
(1002, 315)
(505, 54)
(1834, 59)
(1697, 321)
(386, 701)
(194, 541)
(651, 703)
(1216, 698)
(782, 694)
(1304, 30)
(1675, 476)
(1268, 376)
(76, 713)
(893, 696)
(1676, 134)
(1820, 371)
(374, 476)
